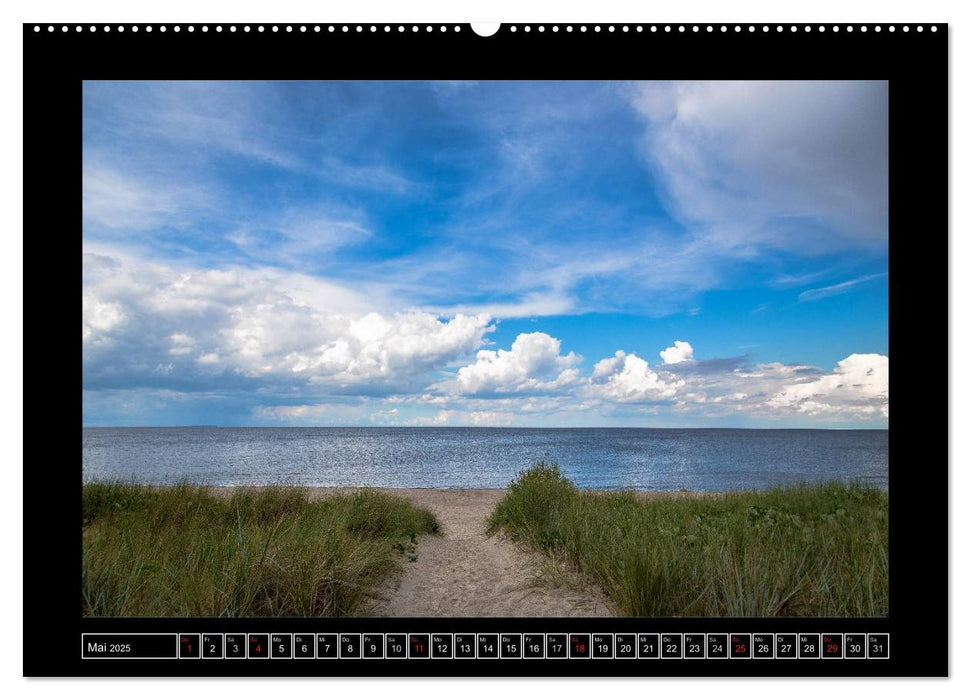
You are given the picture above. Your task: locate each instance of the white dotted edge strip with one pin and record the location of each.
(513, 28)
(301, 28)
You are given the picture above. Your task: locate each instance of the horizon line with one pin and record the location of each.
(455, 427)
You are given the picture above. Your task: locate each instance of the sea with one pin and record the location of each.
(485, 458)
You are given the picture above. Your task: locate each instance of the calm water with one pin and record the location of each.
(657, 459)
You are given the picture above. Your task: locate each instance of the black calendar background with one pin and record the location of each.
(915, 63)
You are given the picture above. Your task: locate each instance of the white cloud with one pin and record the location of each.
(450, 417)
(773, 371)
(836, 289)
(532, 363)
(201, 119)
(123, 204)
(401, 346)
(859, 386)
(258, 324)
(492, 418)
(116, 201)
(326, 414)
(230, 116)
(295, 234)
(750, 159)
(290, 336)
(182, 344)
(546, 303)
(626, 377)
(376, 177)
(98, 318)
(119, 201)
(856, 390)
(681, 351)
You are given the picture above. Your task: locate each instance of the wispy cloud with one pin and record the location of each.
(123, 201)
(837, 289)
(798, 165)
(381, 178)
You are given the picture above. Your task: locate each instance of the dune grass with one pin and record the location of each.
(812, 550)
(182, 551)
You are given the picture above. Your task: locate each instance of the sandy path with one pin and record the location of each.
(465, 573)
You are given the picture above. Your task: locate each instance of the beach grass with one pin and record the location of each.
(160, 551)
(810, 550)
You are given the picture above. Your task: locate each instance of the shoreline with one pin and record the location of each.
(451, 427)
(489, 494)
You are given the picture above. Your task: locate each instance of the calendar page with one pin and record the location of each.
(523, 349)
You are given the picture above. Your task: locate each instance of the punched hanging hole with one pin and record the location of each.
(485, 28)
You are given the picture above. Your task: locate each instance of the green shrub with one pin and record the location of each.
(810, 550)
(375, 514)
(181, 551)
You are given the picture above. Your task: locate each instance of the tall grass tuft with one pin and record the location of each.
(811, 550)
(181, 551)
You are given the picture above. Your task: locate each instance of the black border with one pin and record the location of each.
(916, 65)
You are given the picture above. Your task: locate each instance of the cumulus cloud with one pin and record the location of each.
(626, 377)
(220, 327)
(534, 379)
(797, 164)
(681, 351)
(98, 317)
(532, 363)
(324, 353)
(376, 347)
(859, 386)
(857, 389)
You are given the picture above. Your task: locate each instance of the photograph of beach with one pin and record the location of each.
(485, 349)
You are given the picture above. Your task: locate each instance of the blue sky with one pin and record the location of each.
(485, 253)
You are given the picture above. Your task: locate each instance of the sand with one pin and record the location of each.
(463, 572)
